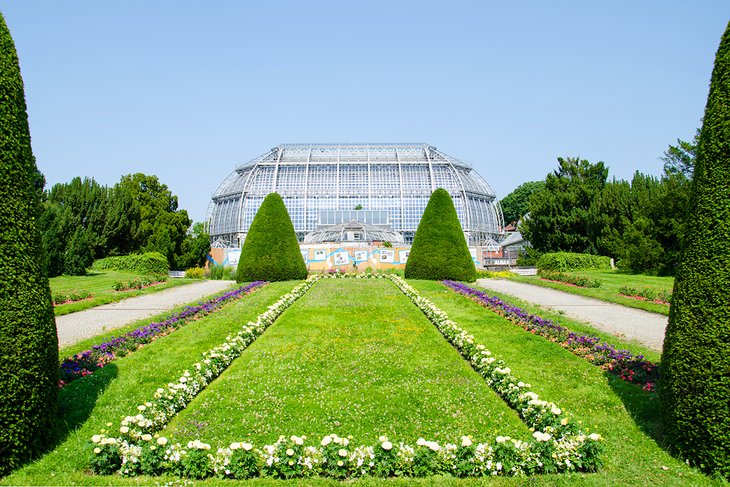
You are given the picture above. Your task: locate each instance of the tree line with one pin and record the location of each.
(82, 221)
(577, 208)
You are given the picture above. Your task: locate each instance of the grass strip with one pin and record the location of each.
(560, 446)
(611, 282)
(88, 361)
(630, 367)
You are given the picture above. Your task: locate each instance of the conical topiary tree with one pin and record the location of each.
(439, 248)
(271, 250)
(28, 339)
(695, 381)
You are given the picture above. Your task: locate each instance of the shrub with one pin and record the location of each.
(28, 337)
(78, 254)
(579, 281)
(439, 248)
(271, 250)
(70, 296)
(695, 387)
(148, 263)
(570, 261)
(195, 273)
(222, 273)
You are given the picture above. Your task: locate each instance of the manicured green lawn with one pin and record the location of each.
(611, 281)
(627, 417)
(101, 285)
(354, 358)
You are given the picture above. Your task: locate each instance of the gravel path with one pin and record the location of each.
(75, 327)
(622, 321)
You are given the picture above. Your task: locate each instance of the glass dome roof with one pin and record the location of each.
(314, 178)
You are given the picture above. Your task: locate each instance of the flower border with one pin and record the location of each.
(558, 446)
(622, 363)
(87, 362)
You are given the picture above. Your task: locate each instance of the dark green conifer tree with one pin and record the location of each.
(271, 250)
(695, 383)
(439, 248)
(28, 339)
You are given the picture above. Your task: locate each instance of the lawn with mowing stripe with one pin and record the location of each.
(352, 357)
(627, 417)
(88, 404)
(611, 282)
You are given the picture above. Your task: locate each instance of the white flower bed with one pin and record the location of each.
(557, 444)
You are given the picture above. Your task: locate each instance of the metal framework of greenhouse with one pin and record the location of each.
(315, 178)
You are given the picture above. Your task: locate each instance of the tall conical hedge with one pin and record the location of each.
(28, 339)
(439, 248)
(271, 250)
(695, 383)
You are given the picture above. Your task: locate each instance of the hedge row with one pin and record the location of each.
(570, 261)
(580, 281)
(149, 263)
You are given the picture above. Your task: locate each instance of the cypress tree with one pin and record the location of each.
(439, 249)
(695, 383)
(271, 250)
(28, 339)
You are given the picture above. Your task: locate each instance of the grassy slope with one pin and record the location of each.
(352, 358)
(611, 281)
(100, 284)
(111, 393)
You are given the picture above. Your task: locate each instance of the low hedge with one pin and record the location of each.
(149, 263)
(579, 281)
(569, 261)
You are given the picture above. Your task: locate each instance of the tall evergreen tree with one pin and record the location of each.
(28, 338)
(271, 250)
(695, 384)
(439, 249)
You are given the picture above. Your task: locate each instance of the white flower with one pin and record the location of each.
(465, 441)
(382, 439)
(235, 446)
(96, 438)
(141, 407)
(147, 437)
(564, 421)
(162, 441)
(594, 436)
(326, 440)
(421, 442)
(342, 452)
(97, 450)
(290, 452)
(247, 446)
(555, 410)
(183, 379)
(124, 430)
(387, 445)
(340, 463)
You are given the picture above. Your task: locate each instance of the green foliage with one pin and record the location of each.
(195, 273)
(28, 339)
(222, 273)
(560, 213)
(694, 387)
(569, 261)
(517, 204)
(78, 254)
(580, 281)
(680, 158)
(148, 263)
(271, 250)
(194, 248)
(439, 248)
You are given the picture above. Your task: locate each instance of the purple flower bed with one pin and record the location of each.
(98, 356)
(629, 367)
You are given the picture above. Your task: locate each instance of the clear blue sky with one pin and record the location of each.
(188, 90)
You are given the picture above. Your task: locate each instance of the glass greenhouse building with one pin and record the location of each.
(392, 180)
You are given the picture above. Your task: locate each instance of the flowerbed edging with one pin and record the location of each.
(86, 362)
(631, 368)
(558, 445)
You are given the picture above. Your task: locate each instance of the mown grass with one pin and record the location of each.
(101, 285)
(352, 358)
(88, 404)
(627, 417)
(611, 281)
(288, 352)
